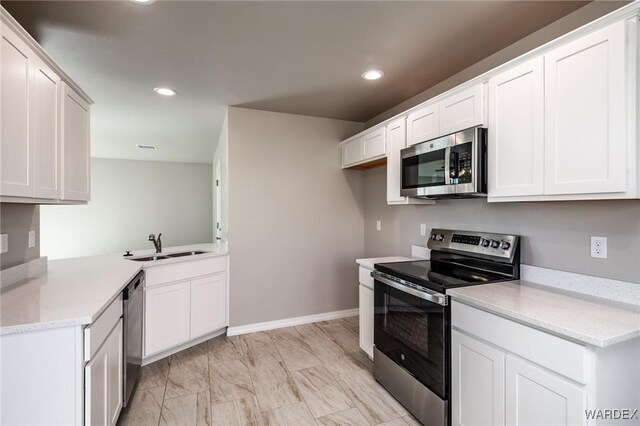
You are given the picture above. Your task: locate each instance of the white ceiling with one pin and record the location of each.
(296, 57)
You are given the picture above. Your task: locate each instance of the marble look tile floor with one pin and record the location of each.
(312, 374)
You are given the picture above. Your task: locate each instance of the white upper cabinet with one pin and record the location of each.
(75, 146)
(585, 114)
(365, 148)
(396, 138)
(423, 124)
(38, 119)
(516, 131)
(352, 152)
(374, 143)
(16, 147)
(46, 89)
(462, 110)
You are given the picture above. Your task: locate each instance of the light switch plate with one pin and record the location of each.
(5, 243)
(32, 239)
(378, 225)
(423, 230)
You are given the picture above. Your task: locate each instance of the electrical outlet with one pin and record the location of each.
(423, 230)
(378, 225)
(5, 243)
(32, 239)
(599, 247)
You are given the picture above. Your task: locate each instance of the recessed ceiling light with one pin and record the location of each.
(165, 91)
(372, 74)
(143, 1)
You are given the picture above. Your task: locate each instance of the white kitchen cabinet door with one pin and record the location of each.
(477, 382)
(167, 316)
(16, 145)
(374, 144)
(46, 89)
(115, 360)
(462, 110)
(208, 304)
(75, 146)
(352, 152)
(585, 115)
(535, 396)
(516, 131)
(423, 124)
(366, 319)
(103, 381)
(396, 140)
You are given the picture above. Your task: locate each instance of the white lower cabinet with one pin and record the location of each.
(536, 396)
(167, 316)
(183, 302)
(208, 304)
(366, 310)
(477, 377)
(366, 319)
(103, 381)
(506, 372)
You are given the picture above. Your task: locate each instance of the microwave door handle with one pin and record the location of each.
(447, 160)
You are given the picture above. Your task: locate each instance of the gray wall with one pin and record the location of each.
(295, 218)
(130, 200)
(555, 234)
(16, 220)
(552, 31)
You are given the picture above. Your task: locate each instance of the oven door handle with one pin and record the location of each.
(430, 296)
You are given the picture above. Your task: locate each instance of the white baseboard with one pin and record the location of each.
(288, 322)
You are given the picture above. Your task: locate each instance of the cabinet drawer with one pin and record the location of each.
(185, 270)
(96, 333)
(557, 354)
(365, 277)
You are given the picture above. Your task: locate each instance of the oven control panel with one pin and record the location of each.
(500, 246)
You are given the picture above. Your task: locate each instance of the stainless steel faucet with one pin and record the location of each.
(156, 242)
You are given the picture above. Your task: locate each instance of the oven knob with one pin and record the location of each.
(439, 237)
(495, 244)
(505, 245)
(485, 243)
(433, 237)
(402, 357)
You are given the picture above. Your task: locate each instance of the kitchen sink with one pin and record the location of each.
(186, 253)
(148, 258)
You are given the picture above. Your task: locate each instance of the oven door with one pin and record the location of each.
(426, 169)
(412, 329)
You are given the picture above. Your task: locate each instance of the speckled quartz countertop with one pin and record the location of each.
(581, 318)
(76, 291)
(369, 262)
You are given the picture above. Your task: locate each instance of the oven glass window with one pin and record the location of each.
(413, 333)
(423, 170)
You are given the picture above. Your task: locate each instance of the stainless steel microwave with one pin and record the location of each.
(447, 167)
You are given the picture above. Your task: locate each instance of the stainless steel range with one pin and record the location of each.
(412, 331)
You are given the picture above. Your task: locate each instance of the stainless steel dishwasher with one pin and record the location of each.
(132, 296)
